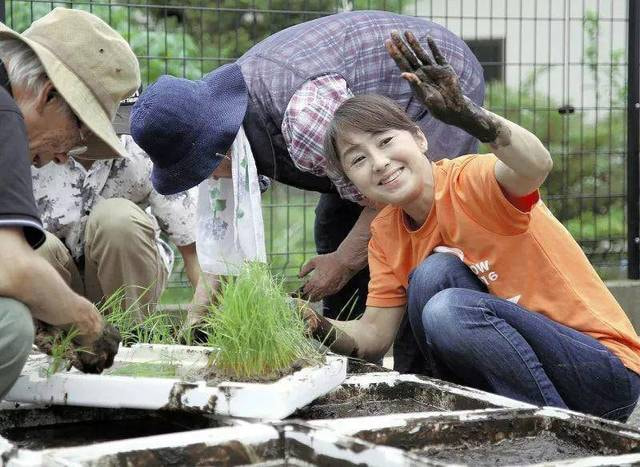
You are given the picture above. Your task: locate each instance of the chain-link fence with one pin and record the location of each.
(557, 67)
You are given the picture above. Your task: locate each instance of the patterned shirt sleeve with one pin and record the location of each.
(176, 214)
(304, 124)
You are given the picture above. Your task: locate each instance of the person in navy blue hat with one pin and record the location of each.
(283, 93)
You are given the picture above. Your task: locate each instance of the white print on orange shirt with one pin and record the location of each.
(482, 269)
(479, 269)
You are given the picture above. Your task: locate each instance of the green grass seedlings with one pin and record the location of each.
(59, 345)
(154, 328)
(160, 369)
(258, 334)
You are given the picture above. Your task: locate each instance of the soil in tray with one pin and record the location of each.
(362, 408)
(84, 433)
(358, 367)
(544, 447)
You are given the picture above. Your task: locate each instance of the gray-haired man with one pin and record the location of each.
(60, 85)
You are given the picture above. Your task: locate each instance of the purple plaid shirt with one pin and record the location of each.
(305, 122)
(297, 77)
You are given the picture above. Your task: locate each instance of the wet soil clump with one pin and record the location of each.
(361, 407)
(543, 447)
(213, 376)
(359, 367)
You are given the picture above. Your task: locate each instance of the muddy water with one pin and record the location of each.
(544, 447)
(84, 433)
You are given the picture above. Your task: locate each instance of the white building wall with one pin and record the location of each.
(547, 35)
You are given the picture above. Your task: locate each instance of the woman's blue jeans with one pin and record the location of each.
(471, 337)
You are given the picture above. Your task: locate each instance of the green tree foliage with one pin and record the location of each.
(161, 45)
(586, 189)
(189, 38)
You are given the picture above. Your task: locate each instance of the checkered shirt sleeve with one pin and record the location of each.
(304, 124)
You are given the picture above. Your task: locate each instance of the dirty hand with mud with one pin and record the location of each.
(322, 330)
(330, 275)
(99, 355)
(91, 358)
(436, 83)
(47, 337)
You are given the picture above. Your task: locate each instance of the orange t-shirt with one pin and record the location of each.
(526, 257)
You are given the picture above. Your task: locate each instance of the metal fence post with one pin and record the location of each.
(1, 11)
(633, 122)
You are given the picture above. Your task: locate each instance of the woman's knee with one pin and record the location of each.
(432, 267)
(441, 317)
(439, 271)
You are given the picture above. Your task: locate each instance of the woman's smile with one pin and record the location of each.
(391, 177)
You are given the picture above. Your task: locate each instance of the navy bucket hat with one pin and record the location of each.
(184, 125)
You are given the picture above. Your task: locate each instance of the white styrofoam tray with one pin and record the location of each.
(295, 444)
(351, 427)
(393, 378)
(273, 401)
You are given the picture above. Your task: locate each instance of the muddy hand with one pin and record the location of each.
(330, 275)
(299, 294)
(436, 83)
(316, 326)
(46, 337)
(99, 355)
(320, 328)
(301, 306)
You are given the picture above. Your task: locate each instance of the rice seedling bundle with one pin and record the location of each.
(259, 334)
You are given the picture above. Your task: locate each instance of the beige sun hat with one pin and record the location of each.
(90, 65)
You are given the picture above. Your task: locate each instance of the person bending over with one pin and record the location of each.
(275, 103)
(57, 97)
(500, 297)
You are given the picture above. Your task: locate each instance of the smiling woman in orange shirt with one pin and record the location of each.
(498, 294)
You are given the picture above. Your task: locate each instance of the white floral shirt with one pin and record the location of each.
(66, 194)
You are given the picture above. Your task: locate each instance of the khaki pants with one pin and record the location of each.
(16, 338)
(119, 250)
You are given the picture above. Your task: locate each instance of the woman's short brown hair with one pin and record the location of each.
(368, 113)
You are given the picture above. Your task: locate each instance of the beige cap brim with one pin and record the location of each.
(97, 148)
(105, 144)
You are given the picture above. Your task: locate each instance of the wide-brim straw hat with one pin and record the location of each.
(90, 65)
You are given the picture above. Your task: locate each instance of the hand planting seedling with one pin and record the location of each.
(66, 349)
(257, 334)
(58, 344)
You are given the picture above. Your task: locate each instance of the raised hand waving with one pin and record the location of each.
(436, 83)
